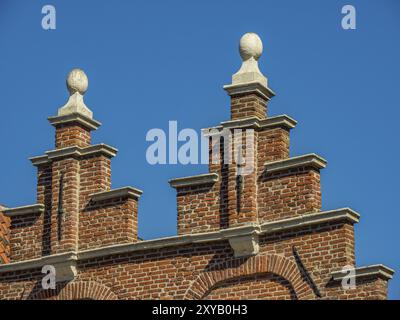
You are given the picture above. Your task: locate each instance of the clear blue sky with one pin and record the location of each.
(149, 62)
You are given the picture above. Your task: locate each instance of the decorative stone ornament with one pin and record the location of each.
(250, 49)
(77, 81)
(77, 84)
(244, 246)
(250, 46)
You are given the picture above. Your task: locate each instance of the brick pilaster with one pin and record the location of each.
(4, 237)
(248, 105)
(65, 205)
(72, 134)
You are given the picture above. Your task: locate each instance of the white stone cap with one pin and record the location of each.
(281, 121)
(25, 210)
(129, 192)
(74, 152)
(38, 262)
(249, 76)
(249, 87)
(375, 270)
(75, 117)
(309, 160)
(207, 178)
(309, 219)
(250, 49)
(77, 84)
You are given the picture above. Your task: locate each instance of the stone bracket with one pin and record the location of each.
(65, 270)
(244, 246)
(372, 271)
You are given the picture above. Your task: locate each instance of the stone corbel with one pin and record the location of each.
(65, 271)
(245, 245)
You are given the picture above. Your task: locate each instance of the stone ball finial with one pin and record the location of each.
(250, 46)
(77, 81)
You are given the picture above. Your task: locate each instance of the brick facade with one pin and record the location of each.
(257, 236)
(4, 237)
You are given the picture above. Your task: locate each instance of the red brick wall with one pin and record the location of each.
(273, 144)
(366, 289)
(198, 209)
(210, 270)
(248, 105)
(196, 270)
(45, 197)
(259, 286)
(4, 237)
(95, 176)
(26, 237)
(108, 222)
(64, 227)
(288, 194)
(72, 134)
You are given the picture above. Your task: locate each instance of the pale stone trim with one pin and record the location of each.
(75, 117)
(74, 151)
(283, 121)
(376, 270)
(39, 160)
(25, 210)
(245, 246)
(250, 87)
(309, 160)
(38, 262)
(66, 270)
(246, 234)
(309, 219)
(130, 192)
(207, 178)
(247, 230)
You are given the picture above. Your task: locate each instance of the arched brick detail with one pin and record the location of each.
(75, 291)
(270, 263)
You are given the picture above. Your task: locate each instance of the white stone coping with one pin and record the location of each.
(75, 117)
(280, 120)
(130, 192)
(249, 87)
(74, 151)
(253, 123)
(309, 160)
(25, 210)
(207, 178)
(38, 262)
(181, 240)
(309, 219)
(376, 270)
(170, 242)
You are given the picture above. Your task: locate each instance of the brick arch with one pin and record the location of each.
(269, 263)
(75, 291)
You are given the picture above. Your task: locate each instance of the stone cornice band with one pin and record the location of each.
(281, 121)
(344, 214)
(201, 179)
(376, 270)
(129, 192)
(25, 210)
(51, 155)
(307, 160)
(75, 117)
(250, 87)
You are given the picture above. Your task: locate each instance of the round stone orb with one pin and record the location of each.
(77, 81)
(250, 45)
